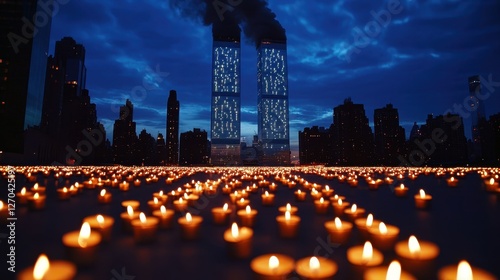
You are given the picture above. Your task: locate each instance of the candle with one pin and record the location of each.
(393, 272)
(315, 194)
(336, 197)
(81, 246)
(373, 185)
(363, 257)
(132, 203)
(161, 196)
(22, 196)
(363, 224)
(191, 199)
(104, 197)
(73, 190)
(99, 183)
(36, 201)
(300, 195)
(401, 191)
(384, 236)
(124, 186)
(292, 209)
(102, 224)
(288, 225)
(338, 230)
(137, 183)
(491, 185)
(422, 200)
(45, 269)
(452, 182)
(239, 241)
(464, 271)
(4, 212)
(272, 267)
(315, 268)
(128, 217)
(247, 216)
(417, 256)
(339, 206)
(115, 183)
(154, 204)
(321, 206)
(273, 187)
(145, 228)
(220, 214)
(327, 191)
(190, 226)
(180, 205)
(89, 184)
(38, 189)
(267, 199)
(226, 189)
(164, 216)
(354, 212)
(242, 203)
(234, 196)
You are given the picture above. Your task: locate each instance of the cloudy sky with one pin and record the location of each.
(416, 55)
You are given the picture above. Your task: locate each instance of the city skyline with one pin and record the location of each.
(439, 66)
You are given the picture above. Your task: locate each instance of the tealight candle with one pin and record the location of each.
(114, 183)
(82, 245)
(491, 185)
(90, 184)
(316, 268)
(128, 217)
(161, 196)
(363, 257)
(154, 204)
(137, 183)
(401, 191)
(227, 189)
(267, 199)
(339, 206)
(354, 212)
(247, 216)
(239, 241)
(124, 186)
(242, 203)
(99, 183)
(338, 230)
(164, 216)
(272, 267)
(321, 206)
(452, 182)
(220, 215)
(104, 197)
(45, 269)
(73, 190)
(417, 256)
(315, 194)
(36, 201)
(300, 195)
(327, 191)
(132, 203)
(273, 187)
(38, 189)
(288, 225)
(145, 228)
(336, 197)
(363, 224)
(292, 209)
(464, 271)
(22, 196)
(190, 226)
(384, 236)
(4, 212)
(393, 272)
(191, 199)
(180, 205)
(102, 224)
(422, 200)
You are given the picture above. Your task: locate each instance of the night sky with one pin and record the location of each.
(419, 60)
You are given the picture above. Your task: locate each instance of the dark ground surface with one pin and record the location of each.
(463, 221)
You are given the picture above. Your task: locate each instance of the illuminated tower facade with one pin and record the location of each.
(172, 129)
(272, 98)
(225, 117)
(477, 113)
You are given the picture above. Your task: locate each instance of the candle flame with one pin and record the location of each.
(1, 205)
(186, 196)
(160, 193)
(299, 191)
(402, 186)
(23, 191)
(288, 207)
(287, 216)
(327, 188)
(394, 271)
(413, 245)
(180, 200)
(248, 209)
(336, 196)
(235, 232)
(142, 217)
(155, 200)
(314, 263)
(492, 181)
(35, 186)
(367, 254)
(273, 262)
(266, 194)
(382, 228)
(130, 211)
(65, 189)
(369, 220)
(163, 210)
(354, 208)
(225, 207)
(339, 201)
(422, 193)
(338, 223)
(84, 235)
(452, 179)
(189, 218)
(321, 200)
(36, 196)
(242, 200)
(103, 192)
(464, 271)
(100, 219)
(42, 265)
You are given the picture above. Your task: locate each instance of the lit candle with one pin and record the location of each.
(300, 195)
(102, 224)
(45, 269)
(288, 225)
(99, 183)
(124, 186)
(82, 245)
(132, 203)
(401, 191)
(73, 190)
(38, 189)
(164, 216)
(227, 189)
(363, 257)
(452, 182)
(422, 200)
(267, 199)
(373, 185)
(491, 185)
(316, 268)
(180, 205)
(338, 230)
(115, 183)
(292, 209)
(335, 198)
(417, 256)
(104, 197)
(220, 215)
(137, 183)
(145, 228)
(89, 184)
(327, 191)
(191, 199)
(36, 201)
(161, 196)
(393, 272)
(190, 226)
(384, 236)
(315, 194)
(464, 271)
(273, 187)
(339, 206)
(321, 206)
(239, 241)
(234, 196)
(4, 212)
(128, 217)
(247, 216)
(22, 196)
(363, 224)
(242, 203)
(354, 212)
(154, 204)
(272, 267)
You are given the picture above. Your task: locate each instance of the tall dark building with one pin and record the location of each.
(145, 149)
(477, 114)
(172, 141)
(124, 135)
(23, 58)
(193, 148)
(490, 140)
(161, 150)
(315, 145)
(352, 135)
(389, 136)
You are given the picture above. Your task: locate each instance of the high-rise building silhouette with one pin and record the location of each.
(272, 98)
(477, 113)
(315, 145)
(352, 135)
(161, 150)
(172, 133)
(124, 135)
(225, 117)
(23, 58)
(193, 148)
(490, 140)
(389, 136)
(145, 149)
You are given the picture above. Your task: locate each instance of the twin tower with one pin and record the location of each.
(272, 102)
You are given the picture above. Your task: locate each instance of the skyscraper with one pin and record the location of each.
(172, 129)
(477, 113)
(193, 148)
(389, 136)
(272, 98)
(315, 145)
(226, 106)
(23, 58)
(124, 135)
